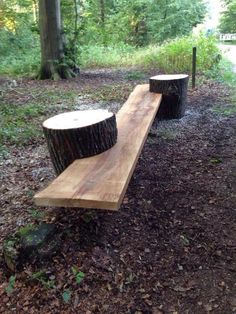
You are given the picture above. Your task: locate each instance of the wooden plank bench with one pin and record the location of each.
(101, 181)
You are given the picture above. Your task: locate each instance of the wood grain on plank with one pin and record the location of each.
(101, 181)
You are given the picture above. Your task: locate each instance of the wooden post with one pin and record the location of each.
(174, 94)
(194, 65)
(79, 134)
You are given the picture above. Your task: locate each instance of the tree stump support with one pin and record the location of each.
(174, 94)
(78, 134)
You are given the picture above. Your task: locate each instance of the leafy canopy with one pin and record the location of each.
(228, 18)
(108, 22)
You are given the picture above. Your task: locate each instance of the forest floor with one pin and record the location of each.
(171, 248)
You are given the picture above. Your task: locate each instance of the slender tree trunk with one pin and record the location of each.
(51, 39)
(102, 20)
(102, 11)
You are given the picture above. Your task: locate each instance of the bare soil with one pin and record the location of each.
(171, 248)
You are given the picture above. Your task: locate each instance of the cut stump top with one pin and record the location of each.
(76, 119)
(169, 77)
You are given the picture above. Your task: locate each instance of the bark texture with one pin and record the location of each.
(52, 42)
(67, 145)
(174, 94)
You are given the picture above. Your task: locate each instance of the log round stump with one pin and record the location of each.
(174, 94)
(79, 134)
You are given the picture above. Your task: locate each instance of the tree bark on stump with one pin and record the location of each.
(79, 134)
(174, 94)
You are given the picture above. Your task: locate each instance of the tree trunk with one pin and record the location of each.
(102, 10)
(79, 134)
(174, 94)
(51, 40)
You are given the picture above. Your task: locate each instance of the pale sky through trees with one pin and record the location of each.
(215, 8)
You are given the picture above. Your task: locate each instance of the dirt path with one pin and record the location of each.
(172, 246)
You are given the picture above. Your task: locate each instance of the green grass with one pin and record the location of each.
(223, 73)
(105, 57)
(228, 109)
(17, 123)
(226, 76)
(21, 123)
(226, 73)
(173, 56)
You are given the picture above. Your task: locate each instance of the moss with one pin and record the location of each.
(24, 231)
(28, 241)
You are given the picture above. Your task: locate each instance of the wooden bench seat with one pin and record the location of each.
(101, 181)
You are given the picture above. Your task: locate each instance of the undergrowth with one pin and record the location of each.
(20, 52)
(226, 76)
(172, 56)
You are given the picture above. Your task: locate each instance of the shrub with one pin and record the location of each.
(176, 55)
(173, 56)
(20, 53)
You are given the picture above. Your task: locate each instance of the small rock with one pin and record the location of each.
(180, 267)
(29, 241)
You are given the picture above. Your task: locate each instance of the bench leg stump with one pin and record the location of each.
(174, 94)
(79, 134)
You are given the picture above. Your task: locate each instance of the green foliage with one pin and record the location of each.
(172, 56)
(138, 22)
(11, 283)
(20, 64)
(227, 76)
(26, 229)
(228, 18)
(15, 13)
(42, 277)
(20, 52)
(103, 31)
(170, 19)
(176, 56)
(224, 73)
(3, 151)
(79, 275)
(36, 214)
(106, 56)
(130, 279)
(66, 295)
(19, 40)
(215, 161)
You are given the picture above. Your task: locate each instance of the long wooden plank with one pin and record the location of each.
(101, 181)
